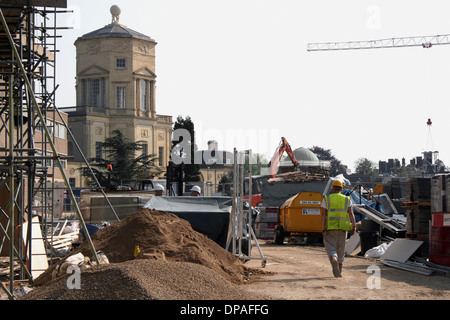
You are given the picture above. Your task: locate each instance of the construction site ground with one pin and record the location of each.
(301, 272)
(177, 263)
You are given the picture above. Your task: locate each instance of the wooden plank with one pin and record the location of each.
(39, 261)
(416, 203)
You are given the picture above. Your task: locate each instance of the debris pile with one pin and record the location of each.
(298, 176)
(173, 262)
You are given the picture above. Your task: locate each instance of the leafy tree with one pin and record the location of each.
(225, 183)
(120, 154)
(191, 170)
(365, 166)
(258, 161)
(325, 154)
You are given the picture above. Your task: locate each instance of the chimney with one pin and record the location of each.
(212, 145)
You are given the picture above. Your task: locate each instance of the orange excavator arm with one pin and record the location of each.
(284, 146)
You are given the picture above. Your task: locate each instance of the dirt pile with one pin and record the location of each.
(145, 279)
(171, 253)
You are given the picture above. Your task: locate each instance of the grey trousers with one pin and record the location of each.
(334, 241)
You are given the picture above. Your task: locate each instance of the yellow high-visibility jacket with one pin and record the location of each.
(337, 212)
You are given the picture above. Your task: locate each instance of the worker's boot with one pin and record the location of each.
(335, 265)
(340, 268)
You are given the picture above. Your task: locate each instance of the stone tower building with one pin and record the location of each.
(115, 90)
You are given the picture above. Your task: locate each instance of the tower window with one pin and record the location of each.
(144, 94)
(120, 97)
(144, 149)
(120, 63)
(94, 92)
(160, 156)
(98, 150)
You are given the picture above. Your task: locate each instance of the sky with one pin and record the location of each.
(241, 71)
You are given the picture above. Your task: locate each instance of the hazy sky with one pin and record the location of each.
(240, 70)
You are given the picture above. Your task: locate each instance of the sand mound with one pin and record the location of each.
(170, 251)
(145, 279)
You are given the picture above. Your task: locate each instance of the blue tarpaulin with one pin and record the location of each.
(358, 199)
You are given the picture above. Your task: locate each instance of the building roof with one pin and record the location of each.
(303, 154)
(114, 30)
(306, 157)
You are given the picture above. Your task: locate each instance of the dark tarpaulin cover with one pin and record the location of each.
(207, 215)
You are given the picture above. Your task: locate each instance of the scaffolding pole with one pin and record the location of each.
(27, 96)
(241, 235)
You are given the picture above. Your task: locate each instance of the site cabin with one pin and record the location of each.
(300, 215)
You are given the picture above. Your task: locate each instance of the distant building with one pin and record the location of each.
(424, 164)
(214, 164)
(115, 90)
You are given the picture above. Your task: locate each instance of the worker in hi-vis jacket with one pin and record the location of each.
(337, 220)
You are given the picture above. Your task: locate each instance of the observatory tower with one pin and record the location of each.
(115, 87)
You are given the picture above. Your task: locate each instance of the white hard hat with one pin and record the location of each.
(196, 189)
(159, 187)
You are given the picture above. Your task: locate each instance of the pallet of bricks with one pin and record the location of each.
(266, 222)
(440, 222)
(418, 211)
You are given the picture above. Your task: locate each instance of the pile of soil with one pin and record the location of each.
(146, 279)
(170, 251)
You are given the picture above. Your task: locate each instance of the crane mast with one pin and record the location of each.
(422, 41)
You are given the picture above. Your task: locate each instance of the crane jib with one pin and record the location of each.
(422, 41)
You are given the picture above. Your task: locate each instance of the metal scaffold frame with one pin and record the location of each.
(241, 235)
(29, 158)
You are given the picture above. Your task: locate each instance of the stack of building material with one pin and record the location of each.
(440, 225)
(393, 189)
(418, 189)
(439, 189)
(418, 213)
(418, 203)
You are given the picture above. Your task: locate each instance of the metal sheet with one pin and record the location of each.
(352, 243)
(381, 219)
(401, 250)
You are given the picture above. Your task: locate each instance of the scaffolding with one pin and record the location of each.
(32, 164)
(241, 236)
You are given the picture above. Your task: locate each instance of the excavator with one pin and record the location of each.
(283, 147)
(257, 181)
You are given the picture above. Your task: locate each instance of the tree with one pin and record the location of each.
(120, 154)
(365, 166)
(225, 183)
(191, 170)
(258, 161)
(325, 154)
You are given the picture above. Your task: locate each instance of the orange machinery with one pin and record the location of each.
(284, 146)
